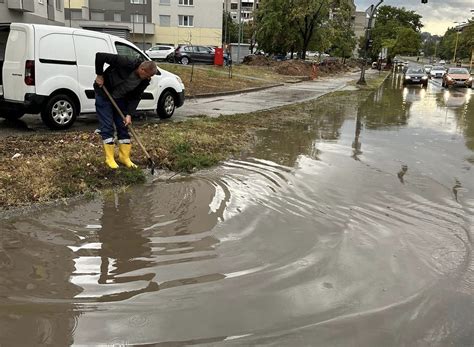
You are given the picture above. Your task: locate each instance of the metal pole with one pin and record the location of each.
(144, 9)
(70, 15)
(226, 15)
(367, 38)
(133, 26)
(240, 28)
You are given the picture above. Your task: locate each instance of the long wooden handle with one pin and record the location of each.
(129, 126)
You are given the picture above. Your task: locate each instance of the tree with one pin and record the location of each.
(407, 42)
(343, 37)
(229, 28)
(284, 25)
(389, 30)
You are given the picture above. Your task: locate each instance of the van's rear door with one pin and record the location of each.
(19, 49)
(87, 44)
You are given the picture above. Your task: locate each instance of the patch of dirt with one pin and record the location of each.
(298, 67)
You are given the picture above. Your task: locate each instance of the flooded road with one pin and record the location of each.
(352, 230)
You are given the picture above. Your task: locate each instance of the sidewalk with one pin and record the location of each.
(266, 99)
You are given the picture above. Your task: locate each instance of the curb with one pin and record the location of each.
(233, 92)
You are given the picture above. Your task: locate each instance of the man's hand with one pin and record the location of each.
(128, 120)
(99, 80)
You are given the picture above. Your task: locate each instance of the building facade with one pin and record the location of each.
(130, 19)
(32, 11)
(197, 22)
(247, 7)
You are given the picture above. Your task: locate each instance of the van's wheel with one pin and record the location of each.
(60, 112)
(185, 60)
(166, 105)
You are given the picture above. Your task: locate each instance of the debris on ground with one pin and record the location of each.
(298, 67)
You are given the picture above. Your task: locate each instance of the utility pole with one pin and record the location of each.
(373, 10)
(456, 45)
(240, 28)
(70, 15)
(144, 16)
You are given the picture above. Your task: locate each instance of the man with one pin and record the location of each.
(125, 79)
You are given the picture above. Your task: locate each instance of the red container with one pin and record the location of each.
(218, 56)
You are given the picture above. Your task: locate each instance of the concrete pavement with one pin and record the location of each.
(266, 99)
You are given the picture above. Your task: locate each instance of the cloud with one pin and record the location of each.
(437, 15)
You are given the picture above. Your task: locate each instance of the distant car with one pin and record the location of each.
(159, 52)
(427, 68)
(186, 54)
(442, 62)
(415, 75)
(437, 71)
(457, 77)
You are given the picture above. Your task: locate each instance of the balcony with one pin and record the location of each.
(21, 5)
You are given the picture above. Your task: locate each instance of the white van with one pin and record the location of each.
(51, 69)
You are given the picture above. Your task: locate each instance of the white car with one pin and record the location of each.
(437, 71)
(159, 52)
(50, 70)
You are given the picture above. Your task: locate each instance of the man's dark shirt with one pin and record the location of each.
(118, 72)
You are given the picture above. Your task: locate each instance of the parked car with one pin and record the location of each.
(437, 71)
(186, 54)
(427, 68)
(415, 75)
(50, 69)
(457, 77)
(159, 52)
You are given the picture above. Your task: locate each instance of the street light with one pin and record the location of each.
(373, 10)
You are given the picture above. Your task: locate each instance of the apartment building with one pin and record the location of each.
(197, 22)
(130, 19)
(32, 11)
(247, 9)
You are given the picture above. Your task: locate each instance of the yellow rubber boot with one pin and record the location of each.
(124, 155)
(109, 156)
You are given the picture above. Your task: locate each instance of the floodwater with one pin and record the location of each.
(353, 230)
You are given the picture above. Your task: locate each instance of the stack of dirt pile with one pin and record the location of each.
(295, 67)
(257, 60)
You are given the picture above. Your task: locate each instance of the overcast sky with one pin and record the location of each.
(437, 15)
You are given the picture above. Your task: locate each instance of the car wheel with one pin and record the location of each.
(166, 105)
(185, 60)
(60, 112)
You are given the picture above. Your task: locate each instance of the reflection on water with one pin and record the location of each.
(352, 228)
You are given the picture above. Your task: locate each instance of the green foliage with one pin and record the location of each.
(229, 28)
(393, 28)
(302, 25)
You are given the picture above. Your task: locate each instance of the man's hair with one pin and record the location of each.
(149, 66)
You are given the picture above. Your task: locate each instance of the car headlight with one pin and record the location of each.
(449, 78)
(424, 78)
(469, 79)
(407, 77)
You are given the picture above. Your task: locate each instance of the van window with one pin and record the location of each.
(16, 46)
(57, 47)
(123, 49)
(87, 46)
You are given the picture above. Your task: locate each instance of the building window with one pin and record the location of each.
(164, 2)
(137, 18)
(138, 2)
(185, 21)
(233, 6)
(97, 15)
(59, 6)
(165, 21)
(186, 2)
(76, 15)
(117, 17)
